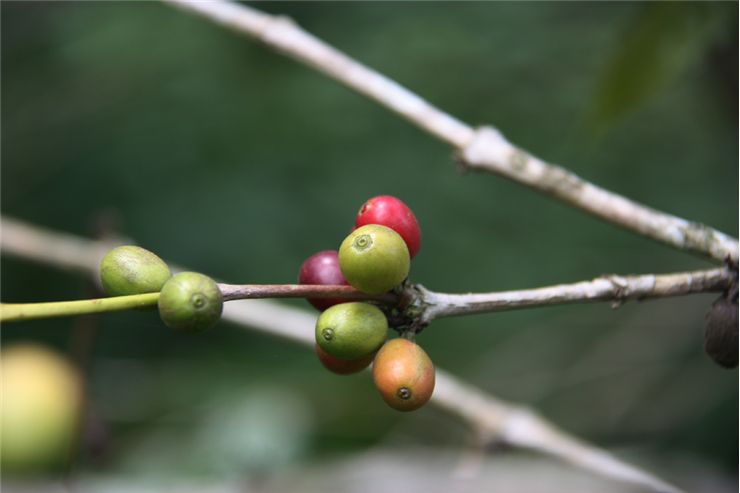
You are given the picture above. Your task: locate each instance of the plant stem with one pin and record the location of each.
(482, 148)
(11, 312)
(614, 288)
(253, 291)
(509, 423)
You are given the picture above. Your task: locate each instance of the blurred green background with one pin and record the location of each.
(225, 157)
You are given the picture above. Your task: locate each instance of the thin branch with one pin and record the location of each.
(13, 312)
(283, 35)
(54, 248)
(520, 426)
(484, 413)
(483, 149)
(490, 151)
(617, 289)
(254, 291)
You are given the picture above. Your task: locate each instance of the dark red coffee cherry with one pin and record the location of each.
(322, 268)
(391, 212)
(721, 330)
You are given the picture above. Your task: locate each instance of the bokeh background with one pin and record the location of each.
(137, 119)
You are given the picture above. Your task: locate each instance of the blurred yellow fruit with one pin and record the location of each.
(40, 408)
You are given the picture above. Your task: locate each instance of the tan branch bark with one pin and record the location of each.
(617, 289)
(490, 151)
(482, 149)
(497, 419)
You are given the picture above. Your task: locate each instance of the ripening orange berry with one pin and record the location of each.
(403, 374)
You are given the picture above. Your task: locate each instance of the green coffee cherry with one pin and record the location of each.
(190, 301)
(132, 270)
(351, 330)
(374, 259)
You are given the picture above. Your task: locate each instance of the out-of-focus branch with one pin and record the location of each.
(53, 248)
(482, 149)
(282, 34)
(493, 417)
(433, 305)
(617, 289)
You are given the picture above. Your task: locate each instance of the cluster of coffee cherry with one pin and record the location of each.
(187, 300)
(374, 259)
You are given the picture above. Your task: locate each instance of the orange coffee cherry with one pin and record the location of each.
(403, 374)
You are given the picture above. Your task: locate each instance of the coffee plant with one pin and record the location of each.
(372, 313)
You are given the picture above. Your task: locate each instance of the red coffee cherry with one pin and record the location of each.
(391, 212)
(342, 366)
(322, 268)
(403, 374)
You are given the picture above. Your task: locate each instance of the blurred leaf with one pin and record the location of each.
(663, 39)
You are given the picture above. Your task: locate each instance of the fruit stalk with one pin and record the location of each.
(11, 312)
(253, 291)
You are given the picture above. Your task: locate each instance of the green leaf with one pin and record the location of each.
(662, 41)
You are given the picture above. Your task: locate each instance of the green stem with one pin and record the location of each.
(10, 312)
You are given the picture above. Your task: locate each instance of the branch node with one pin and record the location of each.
(621, 289)
(488, 146)
(274, 29)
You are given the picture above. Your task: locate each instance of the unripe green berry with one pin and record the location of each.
(190, 301)
(131, 269)
(351, 330)
(374, 259)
